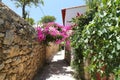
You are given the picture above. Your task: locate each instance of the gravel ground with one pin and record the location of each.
(57, 69)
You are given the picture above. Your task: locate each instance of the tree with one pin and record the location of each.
(24, 3)
(30, 20)
(46, 19)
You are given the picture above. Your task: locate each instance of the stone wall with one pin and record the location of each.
(51, 50)
(20, 54)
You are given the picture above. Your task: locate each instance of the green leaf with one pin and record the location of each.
(118, 46)
(104, 2)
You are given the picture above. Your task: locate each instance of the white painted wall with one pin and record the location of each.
(72, 12)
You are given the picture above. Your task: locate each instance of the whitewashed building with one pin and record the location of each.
(69, 13)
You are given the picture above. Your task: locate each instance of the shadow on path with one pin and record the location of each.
(56, 70)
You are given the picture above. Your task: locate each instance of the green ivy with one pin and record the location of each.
(98, 38)
(80, 22)
(101, 39)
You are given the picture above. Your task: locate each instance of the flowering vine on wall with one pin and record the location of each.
(53, 32)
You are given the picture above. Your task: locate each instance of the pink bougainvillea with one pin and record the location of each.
(40, 34)
(53, 32)
(68, 47)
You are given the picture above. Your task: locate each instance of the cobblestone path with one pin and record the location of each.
(56, 70)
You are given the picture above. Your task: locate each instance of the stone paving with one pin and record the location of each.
(57, 69)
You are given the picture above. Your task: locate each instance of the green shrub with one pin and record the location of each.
(100, 40)
(80, 22)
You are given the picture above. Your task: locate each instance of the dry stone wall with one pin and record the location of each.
(51, 50)
(20, 54)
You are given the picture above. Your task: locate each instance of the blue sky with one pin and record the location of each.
(51, 7)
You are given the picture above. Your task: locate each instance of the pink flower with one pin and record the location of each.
(41, 37)
(40, 34)
(68, 46)
(50, 24)
(68, 27)
(59, 26)
(53, 32)
(67, 42)
(64, 35)
(46, 30)
(69, 33)
(58, 41)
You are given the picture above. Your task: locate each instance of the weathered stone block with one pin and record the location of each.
(1, 21)
(7, 66)
(8, 25)
(21, 67)
(24, 59)
(6, 51)
(14, 51)
(2, 76)
(13, 70)
(2, 66)
(13, 77)
(17, 61)
(9, 37)
(1, 35)
(8, 61)
(0, 41)
(17, 39)
(25, 50)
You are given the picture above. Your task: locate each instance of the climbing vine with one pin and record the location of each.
(102, 39)
(99, 40)
(80, 22)
(53, 32)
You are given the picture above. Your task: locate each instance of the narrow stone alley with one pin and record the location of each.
(57, 69)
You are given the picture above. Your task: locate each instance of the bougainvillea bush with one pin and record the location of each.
(53, 32)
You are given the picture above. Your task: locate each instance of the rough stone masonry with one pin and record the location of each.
(20, 54)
